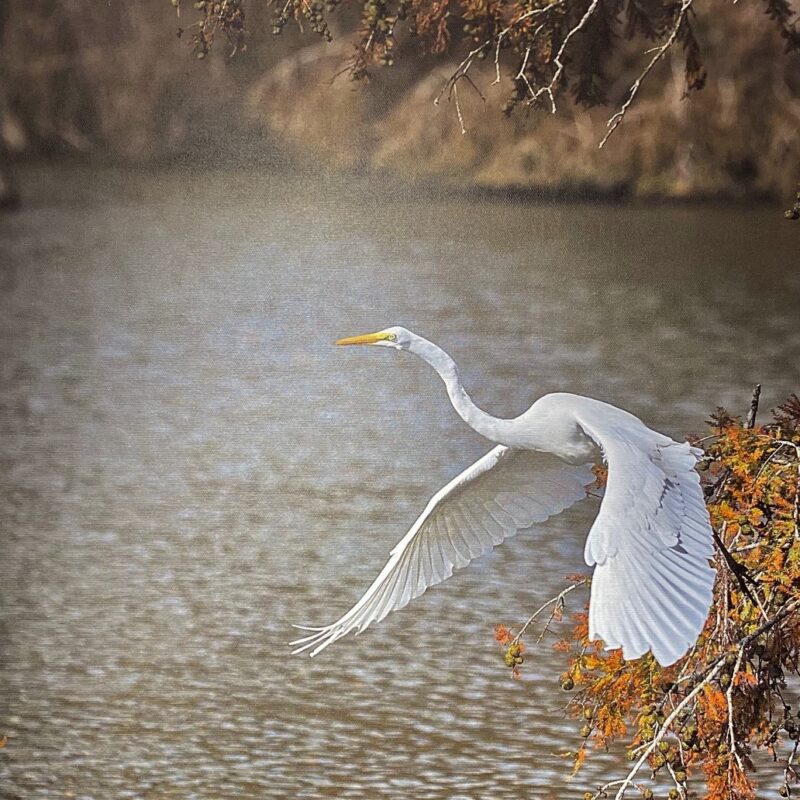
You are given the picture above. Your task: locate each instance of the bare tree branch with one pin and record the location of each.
(660, 51)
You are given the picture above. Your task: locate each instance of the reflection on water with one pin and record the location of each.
(188, 467)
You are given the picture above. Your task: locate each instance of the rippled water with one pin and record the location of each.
(189, 466)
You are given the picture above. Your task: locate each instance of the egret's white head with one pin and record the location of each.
(396, 337)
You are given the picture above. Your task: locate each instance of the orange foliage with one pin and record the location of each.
(503, 634)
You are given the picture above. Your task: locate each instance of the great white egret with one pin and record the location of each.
(650, 543)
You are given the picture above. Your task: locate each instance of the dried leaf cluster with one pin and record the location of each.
(215, 17)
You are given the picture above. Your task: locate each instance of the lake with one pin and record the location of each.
(189, 466)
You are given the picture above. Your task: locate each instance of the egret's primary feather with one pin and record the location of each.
(503, 492)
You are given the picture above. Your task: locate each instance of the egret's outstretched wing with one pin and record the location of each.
(651, 541)
(503, 492)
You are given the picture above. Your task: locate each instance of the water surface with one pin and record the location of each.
(187, 466)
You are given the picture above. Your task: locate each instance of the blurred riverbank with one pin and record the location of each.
(112, 83)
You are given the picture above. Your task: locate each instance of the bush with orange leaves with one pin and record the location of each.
(703, 718)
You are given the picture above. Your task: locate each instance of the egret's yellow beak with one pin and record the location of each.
(368, 338)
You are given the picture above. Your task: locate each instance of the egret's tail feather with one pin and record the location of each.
(304, 639)
(318, 641)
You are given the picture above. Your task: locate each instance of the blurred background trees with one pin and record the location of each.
(113, 80)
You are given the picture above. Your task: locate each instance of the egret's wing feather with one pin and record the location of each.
(651, 541)
(504, 491)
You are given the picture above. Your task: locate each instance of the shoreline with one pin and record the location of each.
(31, 172)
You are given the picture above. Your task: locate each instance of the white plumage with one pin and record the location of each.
(650, 544)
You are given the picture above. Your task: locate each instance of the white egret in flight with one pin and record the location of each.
(650, 543)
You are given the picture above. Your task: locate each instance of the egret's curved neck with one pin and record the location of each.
(491, 427)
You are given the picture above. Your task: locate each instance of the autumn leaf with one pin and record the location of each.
(580, 757)
(502, 634)
(745, 678)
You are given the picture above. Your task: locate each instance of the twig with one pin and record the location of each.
(615, 120)
(739, 571)
(681, 790)
(558, 600)
(464, 67)
(628, 780)
(729, 698)
(497, 62)
(790, 771)
(745, 547)
(796, 511)
(548, 90)
(772, 455)
(796, 447)
(746, 641)
(458, 110)
(524, 63)
(602, 791)
(751, 415)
